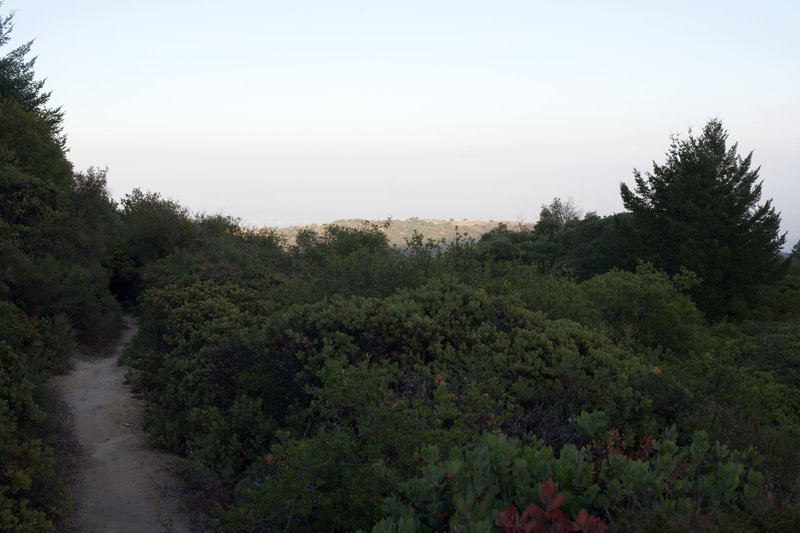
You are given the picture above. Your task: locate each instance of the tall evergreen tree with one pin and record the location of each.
(701, 210)
(18, 82)
(56, 229)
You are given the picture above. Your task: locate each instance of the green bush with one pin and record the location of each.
(467, 488)
(369, 381)
(31, 495)
(645, 309)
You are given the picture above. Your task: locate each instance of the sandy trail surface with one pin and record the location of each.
(121, 484)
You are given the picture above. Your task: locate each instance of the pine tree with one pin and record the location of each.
(18, 82)
(55, 229)
(701, 210)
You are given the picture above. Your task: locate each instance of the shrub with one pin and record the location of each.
(474, 488)
(645, 309)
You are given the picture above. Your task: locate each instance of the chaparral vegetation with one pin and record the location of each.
(632, 372)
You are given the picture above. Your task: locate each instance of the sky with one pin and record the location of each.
(302, 111)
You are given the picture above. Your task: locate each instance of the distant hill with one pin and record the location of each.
(399, 230)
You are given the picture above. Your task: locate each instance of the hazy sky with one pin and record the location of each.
(306, 111)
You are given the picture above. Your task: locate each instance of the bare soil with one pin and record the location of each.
(120, 484)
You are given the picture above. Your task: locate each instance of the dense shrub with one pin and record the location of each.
(645, 309)
(473, 488)
(369, 380)
(56, 232)
(589, 246)
(339, 383)
(305, 383)
(31, 495)
(740, 390)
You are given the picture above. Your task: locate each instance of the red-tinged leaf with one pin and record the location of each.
(555, 502)
(596, 525)
(547, 491)
(533, 512)
(647, 447)
(508, 519)
(586, 523)
(560, 521)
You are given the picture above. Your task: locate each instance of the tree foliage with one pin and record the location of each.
(701, 210)
(18, 82)
(56, 233)
(557, 214)
(586, 247)
(306, 383)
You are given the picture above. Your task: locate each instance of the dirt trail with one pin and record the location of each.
(121, 485)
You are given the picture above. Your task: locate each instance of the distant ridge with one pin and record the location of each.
(399, 230)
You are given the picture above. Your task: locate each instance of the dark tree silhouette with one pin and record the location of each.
(701, 210)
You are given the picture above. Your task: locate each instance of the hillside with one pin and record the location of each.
(397, 231)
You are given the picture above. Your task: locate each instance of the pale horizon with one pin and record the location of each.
(286, 113)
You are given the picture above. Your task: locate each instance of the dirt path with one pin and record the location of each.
(121, 485)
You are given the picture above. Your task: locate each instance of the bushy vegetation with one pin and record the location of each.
(57, 230)
(340, 383)
(586, 374)
(657, 485)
